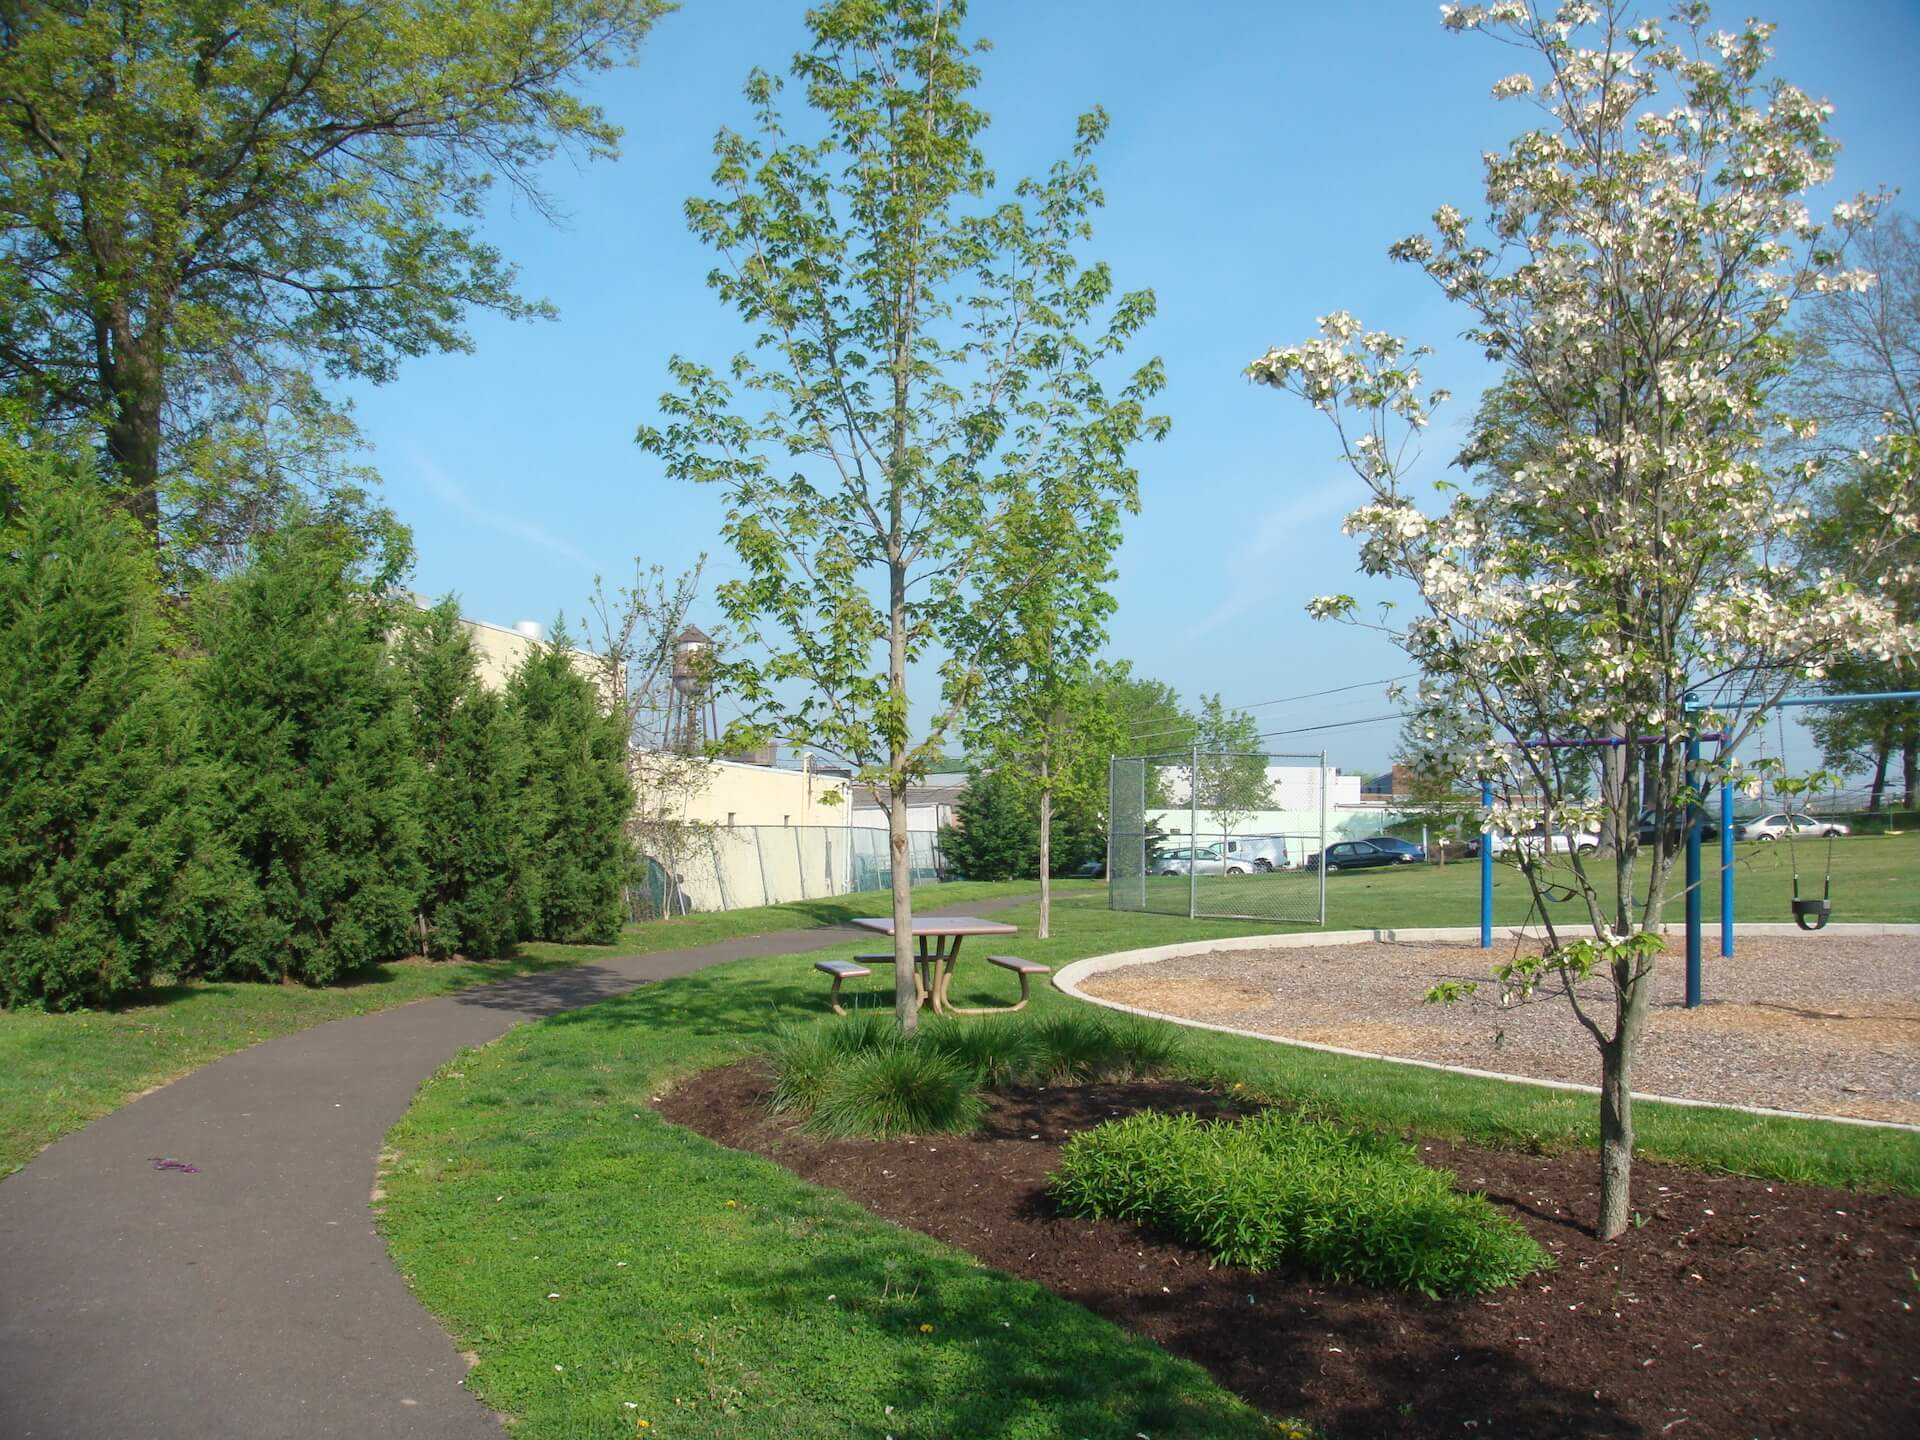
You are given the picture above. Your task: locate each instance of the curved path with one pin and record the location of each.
(254, 1298)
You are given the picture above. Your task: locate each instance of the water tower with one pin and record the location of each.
(691, 720)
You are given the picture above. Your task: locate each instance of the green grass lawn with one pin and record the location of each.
(1875, 878)
(596, 1258)
(57, 1072)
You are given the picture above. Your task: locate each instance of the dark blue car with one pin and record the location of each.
(1363, 854)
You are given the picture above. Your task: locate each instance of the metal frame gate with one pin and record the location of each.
(1219, 834)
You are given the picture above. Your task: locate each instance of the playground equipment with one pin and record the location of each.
(1809, 912)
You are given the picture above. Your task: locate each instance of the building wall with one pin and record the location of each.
(740, 794)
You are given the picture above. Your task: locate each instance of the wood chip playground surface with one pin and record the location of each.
(1828, 1024)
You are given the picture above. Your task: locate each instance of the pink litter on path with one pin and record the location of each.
(161, 1162)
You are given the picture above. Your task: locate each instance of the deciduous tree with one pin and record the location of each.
(203, 207)
(1643, 247)
(1035, 710)
(923, 355)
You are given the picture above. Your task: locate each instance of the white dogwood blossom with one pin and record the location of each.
(1630, 548)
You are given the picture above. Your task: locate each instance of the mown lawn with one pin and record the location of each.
(609, 1268)
(57, 1072)
(1875, 878)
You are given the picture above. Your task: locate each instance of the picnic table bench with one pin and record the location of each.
(937, 941)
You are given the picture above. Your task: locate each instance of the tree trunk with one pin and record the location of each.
(1046, 857)
(1910, 770)
(1882, 752)
(1616, 1137)
(906, 1004)
(135, 389)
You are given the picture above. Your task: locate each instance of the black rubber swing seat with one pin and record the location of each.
(1812, 913)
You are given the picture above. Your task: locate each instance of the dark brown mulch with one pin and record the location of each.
(1742, 1308)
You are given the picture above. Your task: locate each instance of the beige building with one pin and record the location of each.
(764, 834)
(737, 794)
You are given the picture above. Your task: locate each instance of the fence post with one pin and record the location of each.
(1694, 810)
(1726, 867)
(1193, 838)
(1486, 868)
(1323, 837)
(1113, 809)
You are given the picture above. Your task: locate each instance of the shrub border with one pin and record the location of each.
(1067, 980)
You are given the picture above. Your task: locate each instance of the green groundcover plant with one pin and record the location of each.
(858, 1076)
(1280, 1188)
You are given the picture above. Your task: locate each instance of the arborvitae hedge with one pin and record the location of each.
(479, 896)
(577, 793)
(997, 834)
(321, 792)
(110, 868)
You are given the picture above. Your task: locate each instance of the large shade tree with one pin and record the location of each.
(925, 353)
(1857, 383)
(206, 207)
(1644, 244)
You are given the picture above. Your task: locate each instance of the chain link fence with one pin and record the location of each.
(1235, 835)
(721, 867)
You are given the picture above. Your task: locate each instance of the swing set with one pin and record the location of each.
(1809, 912)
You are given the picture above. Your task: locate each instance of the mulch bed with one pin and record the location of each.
(1741, 1308)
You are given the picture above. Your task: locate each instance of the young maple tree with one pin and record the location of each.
(924, 356)
(1627, 556)
(1037, 717)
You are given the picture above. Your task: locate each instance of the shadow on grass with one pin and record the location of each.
(977, 1351)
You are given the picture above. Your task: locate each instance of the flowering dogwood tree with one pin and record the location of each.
(1629, 548)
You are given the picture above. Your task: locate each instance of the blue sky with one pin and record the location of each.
(1262, 157)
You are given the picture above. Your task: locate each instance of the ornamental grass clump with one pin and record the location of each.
(1281, 1189)
(857, 1075)
(1081, 1047)
(806, 1057)
(995, 1051)
(899, 1089)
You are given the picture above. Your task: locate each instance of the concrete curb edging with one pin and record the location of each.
(1067, 980)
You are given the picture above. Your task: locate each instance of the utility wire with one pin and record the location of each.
(1332, 725)
(1283, 700)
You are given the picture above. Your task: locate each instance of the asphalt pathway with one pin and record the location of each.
(254, 1298)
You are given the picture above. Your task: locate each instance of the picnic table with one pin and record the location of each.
(938, 939)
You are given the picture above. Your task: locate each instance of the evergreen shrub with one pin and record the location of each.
(111, 869)
(320, 792)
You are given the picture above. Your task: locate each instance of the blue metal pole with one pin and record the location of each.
(1486, 870)
(1726, 869)
(1693, 872)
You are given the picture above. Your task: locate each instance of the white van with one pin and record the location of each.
(1262, 852)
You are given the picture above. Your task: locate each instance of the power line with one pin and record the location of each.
(1332, 725)
(1283, 700)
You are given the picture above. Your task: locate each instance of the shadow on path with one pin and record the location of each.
(253, 1296)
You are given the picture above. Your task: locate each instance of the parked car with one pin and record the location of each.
(1265, 852)
(1360, 855)
(1092, 870)
(1776, 825)
(1414, 853)
(1207, 860)
(1708, 823)
(1541, 841)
